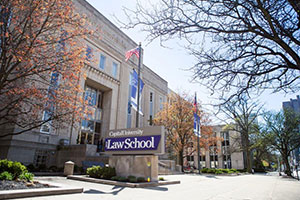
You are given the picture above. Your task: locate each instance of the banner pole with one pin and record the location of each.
(198, 139)
(138, 90)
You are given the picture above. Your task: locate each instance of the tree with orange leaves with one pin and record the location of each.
(178, 119)
(41, 59)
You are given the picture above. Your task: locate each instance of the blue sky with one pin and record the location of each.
(172, 63)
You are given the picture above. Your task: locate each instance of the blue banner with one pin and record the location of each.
(197, 131)
(134, 88)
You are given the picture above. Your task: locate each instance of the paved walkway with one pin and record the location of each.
(245, 187)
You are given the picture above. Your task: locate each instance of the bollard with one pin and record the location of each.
(69, 168)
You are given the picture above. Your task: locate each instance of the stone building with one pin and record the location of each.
(225, 154)
(107, 84)
(294, 105)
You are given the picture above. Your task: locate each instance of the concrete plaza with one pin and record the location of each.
(204, 187)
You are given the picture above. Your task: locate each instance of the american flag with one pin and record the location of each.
(131, 52)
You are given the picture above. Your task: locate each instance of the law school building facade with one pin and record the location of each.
(108, 87)
(225, 153)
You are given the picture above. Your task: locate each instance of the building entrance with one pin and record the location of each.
(91, 126)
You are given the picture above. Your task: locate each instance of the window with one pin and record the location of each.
(161, 103)
(190, 158)
(89, 53)
(91, 125)
(227, 161)
(114, 70)
(202, 161)
(40, 157)
(50, 106)
(102, 61)
(213, 161)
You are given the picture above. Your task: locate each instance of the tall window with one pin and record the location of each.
(151, 108)
(102, 62)
(114, 70)
(213, 156)
(226, 150)
(161, 103)
(202, 161)
(89, 53)
(91, 126)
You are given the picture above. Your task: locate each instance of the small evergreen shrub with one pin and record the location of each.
(226, 171)
(15, 168)
(161, 178)
(218, 171)
(115, 178)
(26, 176)
(211, 171)
(123, 179)
(204, 170)
(101, 172)
(234, 170)
(108, 172)
(132, 179)
(141, 179)
(6, 176)
(94, 171)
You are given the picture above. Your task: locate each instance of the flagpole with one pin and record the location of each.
(138, 90)
(198, 138)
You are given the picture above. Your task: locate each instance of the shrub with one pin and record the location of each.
(115, 178)
(108, 172)
(204, 170)
(94, 171)
(161, 178)
(226, 171)
(132, 179)
(234, 170)
(6, 176)
(123, 179)
(101, 172)
(26, 176)
(211, 171)
(218, 171)
(15, 168)
(141, 179)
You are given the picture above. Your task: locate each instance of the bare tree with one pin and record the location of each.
(250, 45)
(243, 113)
(283, 133)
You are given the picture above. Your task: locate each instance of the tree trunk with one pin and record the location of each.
(181, 159)
(248, 152)
(286, 163)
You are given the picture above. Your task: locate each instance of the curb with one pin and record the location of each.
(122, 184)
(22, 193)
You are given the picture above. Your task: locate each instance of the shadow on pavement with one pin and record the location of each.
(211, 176)
(163, 189)
(92, 191)
(115, 192)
